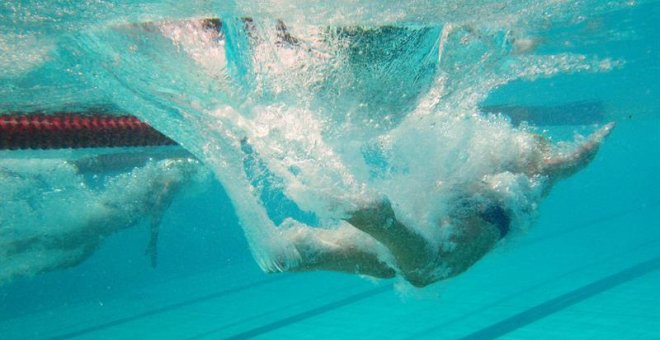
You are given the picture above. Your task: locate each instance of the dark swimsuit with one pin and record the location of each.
(490, 210)
(495, 215)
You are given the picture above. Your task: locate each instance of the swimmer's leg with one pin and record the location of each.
(474, 237)
(343, 250)
(559, 166)
(162, 200)
(414, 254)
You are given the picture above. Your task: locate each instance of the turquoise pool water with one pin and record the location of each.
(587, 265)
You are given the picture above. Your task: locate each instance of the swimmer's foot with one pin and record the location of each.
(562, 166)
(342, 250)
(414, 254)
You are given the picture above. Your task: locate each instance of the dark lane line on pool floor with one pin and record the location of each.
(166, 308)
(269, 327)
(360, 296)
(564, 301)
(279, 311)
(276, 324)
(437, 329)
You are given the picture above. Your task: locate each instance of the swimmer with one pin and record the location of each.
(480, 220)
(33, 244)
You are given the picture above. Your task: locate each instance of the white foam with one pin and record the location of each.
(312, 107)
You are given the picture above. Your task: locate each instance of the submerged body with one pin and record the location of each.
(477, 221)
(374, 132)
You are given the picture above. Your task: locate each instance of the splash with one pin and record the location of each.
(333, 106)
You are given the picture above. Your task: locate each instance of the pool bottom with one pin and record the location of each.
(531, 292)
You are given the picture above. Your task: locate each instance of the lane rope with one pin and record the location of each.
(71, 130)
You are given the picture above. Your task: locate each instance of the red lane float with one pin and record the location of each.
(75, 131)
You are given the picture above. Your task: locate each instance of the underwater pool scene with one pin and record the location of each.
(350, 169)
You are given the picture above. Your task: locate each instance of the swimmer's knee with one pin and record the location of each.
(373, 215)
